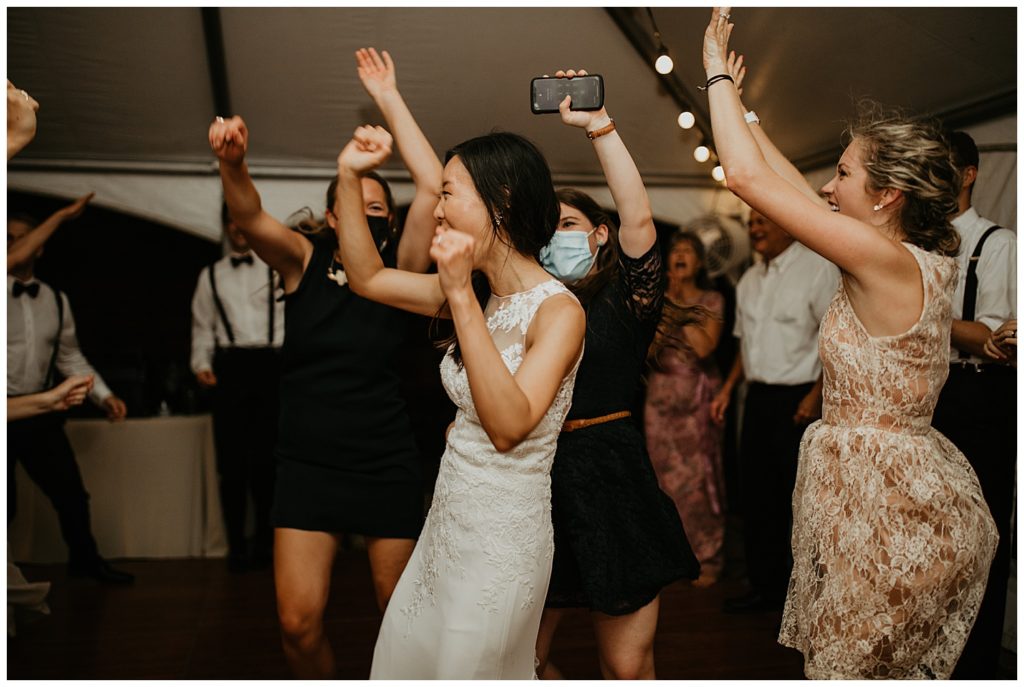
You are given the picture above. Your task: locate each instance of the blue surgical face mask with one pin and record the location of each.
(567, 256)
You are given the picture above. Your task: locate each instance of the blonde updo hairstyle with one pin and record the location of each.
(914, 157)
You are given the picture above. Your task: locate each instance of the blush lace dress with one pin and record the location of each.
(469, 602)
(892, 539)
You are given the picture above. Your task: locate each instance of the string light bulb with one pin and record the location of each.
(718, 174)
(686, 120)
(664, 64)
(701, 153)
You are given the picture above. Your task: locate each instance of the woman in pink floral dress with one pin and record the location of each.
(684, 443)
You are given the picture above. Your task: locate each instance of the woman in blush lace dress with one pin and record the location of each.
(468, 604)
(892, 538)
(684, 442)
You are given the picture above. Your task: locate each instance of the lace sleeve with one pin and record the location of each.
(643, 280)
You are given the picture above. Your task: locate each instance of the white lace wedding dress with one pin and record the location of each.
(468, 605)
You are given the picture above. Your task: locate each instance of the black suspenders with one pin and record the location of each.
(971, 287)
(220, 307)
(224, 316)
(51, 371)
(270, 307)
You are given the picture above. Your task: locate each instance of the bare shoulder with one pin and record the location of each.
(560, 316)
(561, 306)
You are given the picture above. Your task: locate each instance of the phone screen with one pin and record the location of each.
(546, 93)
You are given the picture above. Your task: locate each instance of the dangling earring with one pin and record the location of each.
(497, 218)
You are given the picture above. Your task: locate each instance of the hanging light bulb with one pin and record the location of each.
(718, 174)
(686, 120)
(664, 64)
(701, 153)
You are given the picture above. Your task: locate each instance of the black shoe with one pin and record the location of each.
(751, 602)
(100, 570)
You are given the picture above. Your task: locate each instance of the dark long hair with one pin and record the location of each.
(514, 183)
(306, 222)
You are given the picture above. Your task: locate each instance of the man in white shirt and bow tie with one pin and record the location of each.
(41, 344)
(237, 332)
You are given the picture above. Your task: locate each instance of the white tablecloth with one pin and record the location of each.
(153, 489)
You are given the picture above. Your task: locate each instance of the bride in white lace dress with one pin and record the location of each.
(892, 538)
(469, 602)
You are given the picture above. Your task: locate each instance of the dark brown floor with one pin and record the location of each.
(191, 619)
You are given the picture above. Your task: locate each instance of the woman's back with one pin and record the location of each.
(889, 382)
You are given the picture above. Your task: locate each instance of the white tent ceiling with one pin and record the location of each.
(128, 93)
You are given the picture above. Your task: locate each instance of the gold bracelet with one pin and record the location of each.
(598, 133)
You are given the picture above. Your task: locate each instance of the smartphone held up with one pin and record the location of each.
(546, 93)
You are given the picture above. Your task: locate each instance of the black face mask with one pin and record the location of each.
(380, 230)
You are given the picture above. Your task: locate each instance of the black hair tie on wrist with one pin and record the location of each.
(715, 79)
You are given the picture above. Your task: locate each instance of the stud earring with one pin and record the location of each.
(878, 207)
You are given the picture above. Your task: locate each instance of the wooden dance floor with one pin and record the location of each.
(192, 619)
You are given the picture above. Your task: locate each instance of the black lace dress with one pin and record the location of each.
(618, 537)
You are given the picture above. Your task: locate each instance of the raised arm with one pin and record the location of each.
(377, 72)
(636, 222)
(509, 406)
(856, 247)
(28, 245)
(277, 245)
(367, 275)
(772, 155)
(21, 119)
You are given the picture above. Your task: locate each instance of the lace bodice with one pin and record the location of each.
(889, 382)
(508, 318)
(488, 532)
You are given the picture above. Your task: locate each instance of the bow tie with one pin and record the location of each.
(31, 289)
(245, 259)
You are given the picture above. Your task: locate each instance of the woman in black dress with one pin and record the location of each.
(618, 538)
(347, 461)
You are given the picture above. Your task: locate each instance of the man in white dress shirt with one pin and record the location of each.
(41, 343)
(237, 331)
(779, 305)
(977, 407)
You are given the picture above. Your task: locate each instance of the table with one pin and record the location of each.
(153, 489)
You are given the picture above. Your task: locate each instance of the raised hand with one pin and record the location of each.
(734, 65)
(21, 119)
(578, 118)
(369, 148)
(377, 72)
(229, 139)
(716, 41)
(453, 252)
(78, 207)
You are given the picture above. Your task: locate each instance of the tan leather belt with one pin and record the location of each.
(573, 425)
